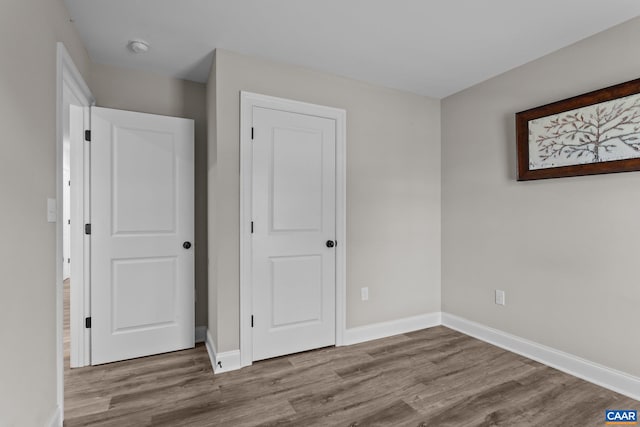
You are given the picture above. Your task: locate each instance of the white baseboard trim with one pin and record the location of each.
(228, 361)
(603, 376)
(221, 362)
(392, 327)
(56, 419)
(595, 373)
(201, 334)
(211, 350)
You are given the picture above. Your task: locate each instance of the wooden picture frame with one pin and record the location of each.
(594, 133)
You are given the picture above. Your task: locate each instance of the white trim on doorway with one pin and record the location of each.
(249, 100)
(67, 78)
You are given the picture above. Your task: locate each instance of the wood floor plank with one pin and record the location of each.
(75, 408)
(432, 377)
(221, 412)
(391, 415)
(448, 385)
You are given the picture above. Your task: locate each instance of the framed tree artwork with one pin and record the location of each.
(594, 133)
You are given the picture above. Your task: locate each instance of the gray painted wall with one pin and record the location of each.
(393, 189)
(29, 30)
(212, 183)
(564, 250)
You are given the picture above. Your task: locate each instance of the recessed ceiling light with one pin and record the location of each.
(138, 46)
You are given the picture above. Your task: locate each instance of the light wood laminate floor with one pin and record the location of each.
(432, 377)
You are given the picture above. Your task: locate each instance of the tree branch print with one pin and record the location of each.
(592, 132)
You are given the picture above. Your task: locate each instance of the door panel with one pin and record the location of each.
(293, 210)
(297, 290)
(296, 203)
(142, 279)
(132, 281)
(136, 209)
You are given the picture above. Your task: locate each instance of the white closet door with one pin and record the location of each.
(294, 221)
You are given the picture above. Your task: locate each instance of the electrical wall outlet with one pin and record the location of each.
(500, 297)
(364, 294)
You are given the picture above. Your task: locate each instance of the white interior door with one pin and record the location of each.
(142, 216)
(294, 224)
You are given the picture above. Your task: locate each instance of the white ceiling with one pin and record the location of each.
(429, 47)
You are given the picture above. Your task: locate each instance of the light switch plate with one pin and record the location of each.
(52, 210)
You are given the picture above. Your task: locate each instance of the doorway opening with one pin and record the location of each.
(125, 223)
(72, 110)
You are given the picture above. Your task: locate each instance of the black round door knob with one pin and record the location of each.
(186, 245)
(330, 243)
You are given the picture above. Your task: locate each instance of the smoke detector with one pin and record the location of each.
(138, 46)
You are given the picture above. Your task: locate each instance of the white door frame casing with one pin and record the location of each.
(248, 101)
(68, 77)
